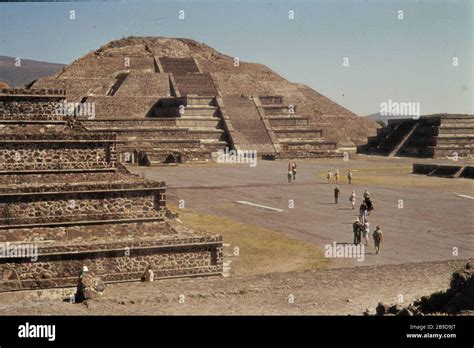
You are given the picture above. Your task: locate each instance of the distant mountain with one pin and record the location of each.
(383, 119)
(28, 71)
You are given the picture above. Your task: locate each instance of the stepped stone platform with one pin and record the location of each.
(293, 135)
(180, 89)
(66, 202)
(443, 170)
(431, 136)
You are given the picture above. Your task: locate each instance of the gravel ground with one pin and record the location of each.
(343, 291)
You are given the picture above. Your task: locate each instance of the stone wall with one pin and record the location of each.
(129, 123)
(179, 65)
(88, 175)
(271, 99)
(118, 184)
(200, 84)
(31, 105)
(87, 205)
(78, 88)
(38, 153)
(170, 156)
(177, 256)
(122, 107)
(140, 83)
(299, 133)
(109, 230)
(175, 144)
(32, 92)
(20, 108)
(104, 67)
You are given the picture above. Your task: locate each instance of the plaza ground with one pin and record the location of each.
(423, 218)
(281, 252)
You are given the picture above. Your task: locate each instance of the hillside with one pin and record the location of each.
(29, 70)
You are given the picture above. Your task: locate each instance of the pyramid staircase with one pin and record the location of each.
(249, 129)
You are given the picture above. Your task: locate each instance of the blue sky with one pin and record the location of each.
(405, 60)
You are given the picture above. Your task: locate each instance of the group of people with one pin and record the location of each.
(291, 171)
(366, 206)
(336, 177)
(361, 226)
(329, 176)
(362, 231)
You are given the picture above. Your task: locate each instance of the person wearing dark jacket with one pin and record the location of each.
(336, 194)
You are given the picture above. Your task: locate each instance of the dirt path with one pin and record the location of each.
(325, 292)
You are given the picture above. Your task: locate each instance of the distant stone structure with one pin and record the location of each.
(176, 100)
(66, 202)
(444, 170)
(431, 136)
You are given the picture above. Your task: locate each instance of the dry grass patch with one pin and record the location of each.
(261, 250)
(400, 175)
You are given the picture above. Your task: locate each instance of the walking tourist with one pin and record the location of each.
(336, 194)
(352, 199)
(293, 170)
(336, 176)
(329, 176)
(378, 239)
(363, 212)
(370, 205)
(365, 233)
(366, 194)
(356, 229)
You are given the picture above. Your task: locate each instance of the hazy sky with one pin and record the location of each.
(405, 60)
